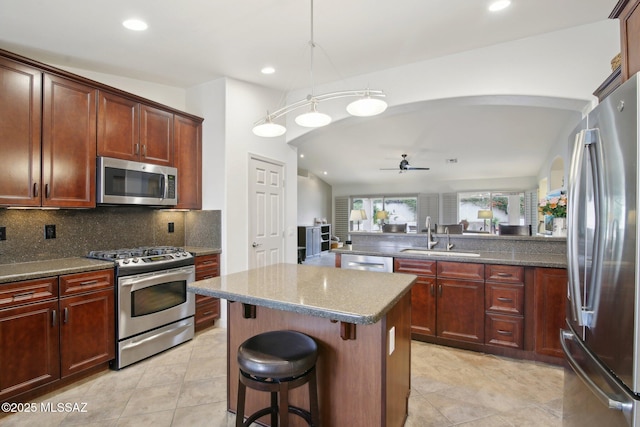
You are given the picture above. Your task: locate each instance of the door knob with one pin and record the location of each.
(255, 245)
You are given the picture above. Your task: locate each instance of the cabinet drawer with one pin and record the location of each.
(207, 266)
(86, 282)
(461, 270)
(414, 266)
(505, 331)
(508, 299)
(15, 294)
(207, 308)
(504, 273)
(207, 273)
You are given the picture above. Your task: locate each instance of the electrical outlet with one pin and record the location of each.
(3, 233)
(171, 227)
(50, 231)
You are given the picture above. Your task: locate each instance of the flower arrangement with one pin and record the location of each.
(555, 206)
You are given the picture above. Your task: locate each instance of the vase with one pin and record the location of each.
(559, 227)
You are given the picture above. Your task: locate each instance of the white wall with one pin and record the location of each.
(314, 199)
(229, 107)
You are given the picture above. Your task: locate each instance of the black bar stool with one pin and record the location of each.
(277, 362)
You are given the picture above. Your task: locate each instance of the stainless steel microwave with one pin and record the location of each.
(124, 182)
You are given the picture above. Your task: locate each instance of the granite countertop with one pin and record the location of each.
(359, 297)
(486, 257)
(16, 272)
(198, 250)
(54, 267)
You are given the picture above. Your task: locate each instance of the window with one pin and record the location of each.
(484, 210)
(381, 210)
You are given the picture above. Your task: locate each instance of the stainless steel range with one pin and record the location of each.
(154, 311)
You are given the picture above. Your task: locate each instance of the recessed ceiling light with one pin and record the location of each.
(268, 70)
(499, 5)
(302, 156)
(325, 173)
(135, 25)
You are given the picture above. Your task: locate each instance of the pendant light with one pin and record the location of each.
(313, 119)
(370, 103)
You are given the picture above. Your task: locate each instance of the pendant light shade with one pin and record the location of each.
(268, 129)
(313, 119)
(366, 106)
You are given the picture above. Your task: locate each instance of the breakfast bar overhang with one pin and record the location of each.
(360, 320)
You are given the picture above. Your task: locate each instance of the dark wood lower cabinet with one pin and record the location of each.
(549, 311)
(87, 331)
(54, 330)
(460, 310)
(509, 310)
(423, 306)
(30, 348)
(207, 308)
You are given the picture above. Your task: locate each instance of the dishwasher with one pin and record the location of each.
(367, 262)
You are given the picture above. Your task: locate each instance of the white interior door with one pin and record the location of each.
(266, 212)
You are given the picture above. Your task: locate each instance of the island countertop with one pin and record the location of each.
(358, 297)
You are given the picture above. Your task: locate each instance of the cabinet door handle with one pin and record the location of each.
(144, 151)
(505, 299)
(504, 274)
(54, 318)
(66, 314)
(432, 290)
(208, 277)
(89, 282)
(47, 191)
(207, 313)
(35, 189)
(439, 290)
(137, 149)
(503, 332)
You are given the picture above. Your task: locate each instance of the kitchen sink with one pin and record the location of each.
(431, 252)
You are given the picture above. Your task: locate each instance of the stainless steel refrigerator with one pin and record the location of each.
(601, 340)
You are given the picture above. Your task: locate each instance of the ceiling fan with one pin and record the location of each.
(405, 166)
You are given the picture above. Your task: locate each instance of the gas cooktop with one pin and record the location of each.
(160, 256)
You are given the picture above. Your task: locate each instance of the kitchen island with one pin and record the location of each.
(360, 320)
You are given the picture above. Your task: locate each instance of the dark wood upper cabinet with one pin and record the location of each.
(68, 143)
(130, 130)
(53, 124)
(628, 12)
(20, 118)
(156, 136)
(118, 127)
(188, 160)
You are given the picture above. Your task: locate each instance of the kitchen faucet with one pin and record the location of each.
(430, 244)
(449, 245)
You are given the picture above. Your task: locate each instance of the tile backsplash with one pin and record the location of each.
(79, 231)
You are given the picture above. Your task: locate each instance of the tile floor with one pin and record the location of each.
(186, 386)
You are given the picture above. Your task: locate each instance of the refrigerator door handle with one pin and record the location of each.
(590, 311)
(599, 393)
(573, 208)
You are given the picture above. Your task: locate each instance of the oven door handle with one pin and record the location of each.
(145, 280)
(172, 331)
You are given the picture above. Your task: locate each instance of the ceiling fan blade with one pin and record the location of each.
(411, 168)
(388, 169)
